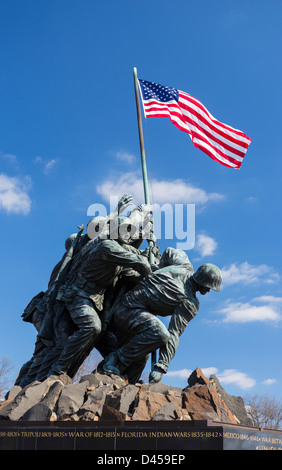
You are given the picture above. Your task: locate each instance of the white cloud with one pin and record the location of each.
(248, 274)
(269, 299)
(209, 371)
(181, 374)
(233, 376)
(269, 382)
(227, 377)
(162, 191)
(185, 373)
(238, 312)
(13, 195)
(205, 245)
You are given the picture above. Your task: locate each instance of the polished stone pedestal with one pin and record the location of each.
(142, 436)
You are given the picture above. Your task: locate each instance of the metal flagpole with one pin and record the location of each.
(141, 139)
(142, 151)
(145, 176)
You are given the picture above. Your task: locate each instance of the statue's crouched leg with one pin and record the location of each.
(139, 333)
(88, 325)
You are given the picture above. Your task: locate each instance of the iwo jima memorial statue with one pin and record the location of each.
(105, 294)
(110, 294)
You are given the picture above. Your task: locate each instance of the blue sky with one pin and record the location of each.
(68, 137)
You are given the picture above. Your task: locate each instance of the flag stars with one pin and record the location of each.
(151, 90)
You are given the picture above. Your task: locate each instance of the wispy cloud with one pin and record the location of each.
(248, 274)
(124, 156)
(269, 382)
(162, 191)
(14, 198)
(47, 165)
(9, 157)
(251, 199)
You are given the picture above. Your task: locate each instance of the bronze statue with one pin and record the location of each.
(104, 293)
(98, 267)
(170, 290)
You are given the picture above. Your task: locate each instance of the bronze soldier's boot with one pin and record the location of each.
(111, 364)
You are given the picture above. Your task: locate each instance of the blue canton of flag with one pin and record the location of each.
(158, 92)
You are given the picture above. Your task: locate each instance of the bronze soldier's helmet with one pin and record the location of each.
(208, 275)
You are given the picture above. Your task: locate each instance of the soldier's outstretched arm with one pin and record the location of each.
(184, 313)
(114, 253)
(123, 203)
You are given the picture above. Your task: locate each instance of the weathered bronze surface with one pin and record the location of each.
(107, 293)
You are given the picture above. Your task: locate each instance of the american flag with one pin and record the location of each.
(221, 142)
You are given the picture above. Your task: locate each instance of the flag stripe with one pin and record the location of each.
(199, 105)
(221, 142)
(195, 134)
(239, 144)
(181, 124)
(242, 142)
(214, 156)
